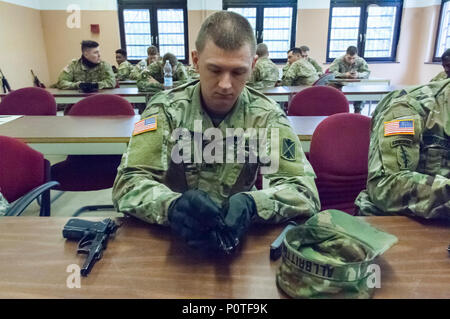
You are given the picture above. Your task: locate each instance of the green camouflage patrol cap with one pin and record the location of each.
(329, 257)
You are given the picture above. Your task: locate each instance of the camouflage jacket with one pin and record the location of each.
(339, 67)
(156, 71)
(409, 170)
(124, 71)
(148, 179)
(315, 65)
(76, 72)
(265, 74)
(4, 205)
(301, 72)
(439, 77)
(192, 73)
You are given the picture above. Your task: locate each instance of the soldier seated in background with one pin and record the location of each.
(409, 154)
(350, 66)
(204, 199)
(446, 65)
(192, 72)
(152, 78)
(89, 68)
(298, 71)
(152, 56)
(304, 52)
(265, 74)
(125, 67)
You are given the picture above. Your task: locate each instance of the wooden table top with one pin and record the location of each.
(146, 261)
(126, 91)
(304, 126)
(71, 129)
(104, 129)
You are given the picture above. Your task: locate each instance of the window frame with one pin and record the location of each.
(260, 5)
(363, 4)
(441, 10)
(153, 7)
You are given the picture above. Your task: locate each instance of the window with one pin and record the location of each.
(443, 35)
(371, 26)
(273, 22)
(159, 23)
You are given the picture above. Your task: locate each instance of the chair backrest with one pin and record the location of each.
(102, 104)
(339, 155)
(28, 101)
(318, 101)
(21, 168)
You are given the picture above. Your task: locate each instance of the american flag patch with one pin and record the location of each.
(399, 127)
(145, 125)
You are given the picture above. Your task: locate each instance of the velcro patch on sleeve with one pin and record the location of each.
(145, 125)
(399, 127)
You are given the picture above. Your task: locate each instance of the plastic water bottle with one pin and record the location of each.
(168, 78)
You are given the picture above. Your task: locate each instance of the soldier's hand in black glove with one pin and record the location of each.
(239, 211)
(194, 216)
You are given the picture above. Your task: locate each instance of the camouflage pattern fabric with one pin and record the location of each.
(138, 68)
(315, 65)
(439, 77)
(409, 173)
(301, 72)
(329, 257)
(265, 74)
(4, 205)
(339, 67)
(156, 71)
(76, 72)
(148, 180)
(192, 73)
(124, 71)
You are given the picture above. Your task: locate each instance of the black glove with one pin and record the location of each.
(114, 69)
(239, 211)
(194, 216)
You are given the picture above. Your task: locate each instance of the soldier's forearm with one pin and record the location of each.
(67, 85)
(287, 198)
(412, 193)
(138, 195)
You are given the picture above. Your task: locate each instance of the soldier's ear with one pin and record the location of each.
(254, 61)
(194, 55)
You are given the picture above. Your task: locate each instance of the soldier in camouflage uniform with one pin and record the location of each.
(152, 79)
(446, 65)
(125, 67)
(265, 73)
(192, 72)
(152, 56)
(305, 55)
(350, 66)
(202, 200)
(409, 157)
(88, 68)
(4, 205)
(301, 72)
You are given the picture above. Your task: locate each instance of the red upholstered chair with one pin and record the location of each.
(24, 176)
(91, 172)
(339, 155)
(318, 101)
(28, 101)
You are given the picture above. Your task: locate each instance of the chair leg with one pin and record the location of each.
(58, 195)
(45, 204)
(92, 208)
